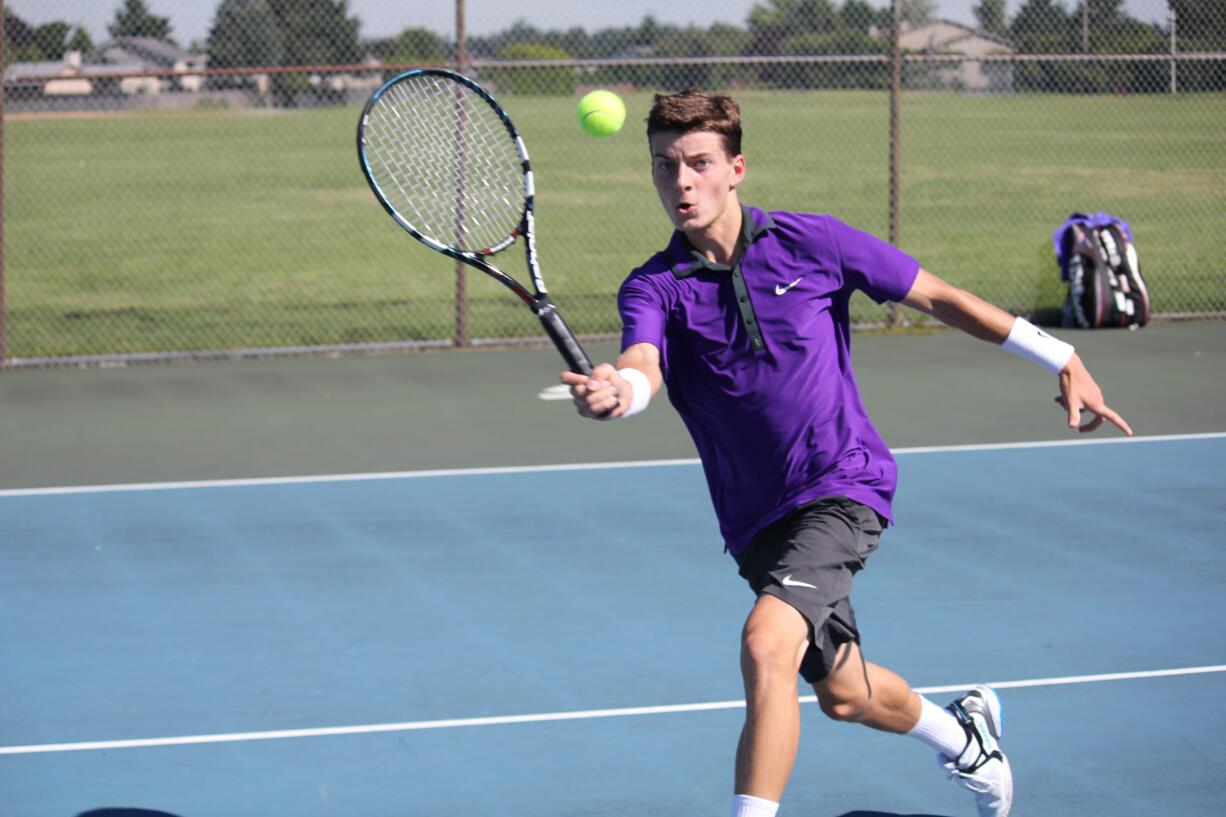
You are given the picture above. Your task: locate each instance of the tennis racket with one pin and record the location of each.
(446, 162)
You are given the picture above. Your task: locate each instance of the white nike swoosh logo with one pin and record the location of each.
(780, 288)
(788, 581)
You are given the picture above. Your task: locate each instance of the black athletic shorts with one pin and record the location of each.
(807, 559)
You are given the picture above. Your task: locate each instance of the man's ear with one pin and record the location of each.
(738, 170)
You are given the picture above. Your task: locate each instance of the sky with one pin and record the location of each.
(190, 19)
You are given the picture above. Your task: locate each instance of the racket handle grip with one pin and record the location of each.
(562, 337)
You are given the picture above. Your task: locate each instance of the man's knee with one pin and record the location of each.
(773, 645)
(845, 695)
(768, 652)
(848, 705)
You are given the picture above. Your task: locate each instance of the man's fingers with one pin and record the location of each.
(594, 402)
(599, 408)
(1115, 418)
(1101, 414)
(1093, 424)
(1074, 416)
(1074, 412)
(607, 405)
(594, 395)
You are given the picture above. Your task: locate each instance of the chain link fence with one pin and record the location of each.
(169, 199)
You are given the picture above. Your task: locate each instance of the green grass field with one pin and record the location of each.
(222, 230)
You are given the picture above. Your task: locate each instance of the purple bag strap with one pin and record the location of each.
(1099, 219)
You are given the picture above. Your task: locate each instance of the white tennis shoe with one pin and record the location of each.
(982, 767)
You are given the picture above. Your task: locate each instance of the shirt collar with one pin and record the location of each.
(688, 261)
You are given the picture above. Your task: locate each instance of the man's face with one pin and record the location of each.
(695, 178)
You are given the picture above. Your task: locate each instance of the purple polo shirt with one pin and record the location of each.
(757, 360)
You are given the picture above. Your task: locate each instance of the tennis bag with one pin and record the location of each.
(1099, 262)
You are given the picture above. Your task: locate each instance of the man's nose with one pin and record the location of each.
(685, 177)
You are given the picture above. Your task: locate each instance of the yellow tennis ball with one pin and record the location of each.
(601, 113)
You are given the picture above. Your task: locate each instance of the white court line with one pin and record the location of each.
(530, 469)
(414, 726)
(558, 392)
(306, 480)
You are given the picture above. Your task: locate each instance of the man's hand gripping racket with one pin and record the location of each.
(446, 162)
(601, 395)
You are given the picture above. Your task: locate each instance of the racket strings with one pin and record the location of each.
(446, 162)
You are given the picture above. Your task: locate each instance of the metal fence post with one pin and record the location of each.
(1174, 48)
(894, 318)
(1085, 26)
(461, 270)
(3, 348)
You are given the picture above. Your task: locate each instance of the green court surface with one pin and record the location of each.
(457, 409)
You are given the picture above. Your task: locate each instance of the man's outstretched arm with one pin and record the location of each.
(963, 310)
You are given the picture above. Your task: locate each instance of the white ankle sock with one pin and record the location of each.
(939, 729)
(743, 805)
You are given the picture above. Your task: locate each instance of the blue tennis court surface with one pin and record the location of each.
(514, 642)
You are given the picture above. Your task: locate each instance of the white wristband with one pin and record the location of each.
(640, 390)
(1029, 341)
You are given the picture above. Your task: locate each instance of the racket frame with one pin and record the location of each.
(537, 299)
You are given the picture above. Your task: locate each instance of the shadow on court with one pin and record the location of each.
(132, 812)
(875, 814)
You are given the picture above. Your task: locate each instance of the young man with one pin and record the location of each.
(745, 316)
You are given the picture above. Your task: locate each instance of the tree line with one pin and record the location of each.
(261, 33)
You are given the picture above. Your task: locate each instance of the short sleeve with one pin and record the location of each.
(642, 313)
(878, 269)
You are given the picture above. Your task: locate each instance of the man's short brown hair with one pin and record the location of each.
(692, 110)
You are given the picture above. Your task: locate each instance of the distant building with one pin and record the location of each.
(66, 77)
(83, 75)
(150, 54)
(938, 37)
(142, 73)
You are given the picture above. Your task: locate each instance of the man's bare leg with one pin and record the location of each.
(862, 692)
(772, 644)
